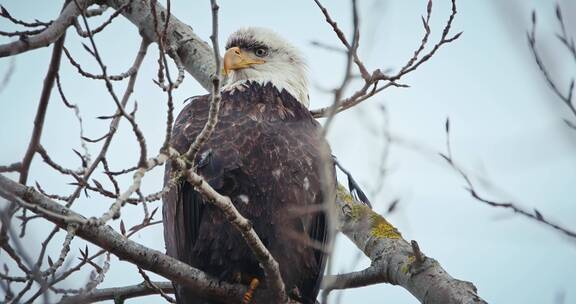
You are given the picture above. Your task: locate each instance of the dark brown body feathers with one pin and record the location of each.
(265, 154)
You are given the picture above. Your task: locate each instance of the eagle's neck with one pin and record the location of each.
(289, 78)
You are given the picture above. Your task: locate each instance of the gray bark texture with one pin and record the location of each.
(394, 260)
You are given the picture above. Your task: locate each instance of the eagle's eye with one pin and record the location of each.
(261, 52)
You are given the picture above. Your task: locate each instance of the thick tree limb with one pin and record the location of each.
(394, 260)
(125, 249)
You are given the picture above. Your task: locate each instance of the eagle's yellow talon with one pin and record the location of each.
(248, 295)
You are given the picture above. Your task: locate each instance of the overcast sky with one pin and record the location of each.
(507, 131)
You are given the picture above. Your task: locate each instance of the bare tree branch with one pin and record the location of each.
(106, 238)
(115, 121)
(49, 35)
(42, 107)
(8, 74)
(101, 27)
(5, 14)
(155, 287)
(393, 259)
(216, 98)
(566, 98)
(82, 72)
(195, 53)
(11, 168)
(53, 68)
(372, 80)
(533, 215)
(119, 293)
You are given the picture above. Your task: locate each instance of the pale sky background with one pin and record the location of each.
(506, 124)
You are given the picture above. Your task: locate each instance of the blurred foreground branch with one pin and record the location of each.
(567, 42)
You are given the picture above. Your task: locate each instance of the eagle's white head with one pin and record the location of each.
(259, 54)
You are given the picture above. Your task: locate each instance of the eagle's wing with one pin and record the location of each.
(213, 169)
(192, 209)
(184, 207)
(319, 234)
(191, 205)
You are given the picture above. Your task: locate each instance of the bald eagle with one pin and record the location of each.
(265, 154)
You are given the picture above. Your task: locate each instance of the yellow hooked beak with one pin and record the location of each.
(236, 59)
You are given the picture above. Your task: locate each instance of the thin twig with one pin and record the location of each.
(76, 110)
(215, 98)
(96, 277)
(54, 165)
(153, 286)
(5, 14)
(49, 80)
(566, 98)
(123, 293)
(372, 80)
(82, 72)
(15, 167)
(352, 56)
(114, 212)
(101, 27)
(71, 233)
(533, 215)
(328, 47)
(53, 68)
(136, 130)
(8, 74)
(49, 35)
(115, 121)
(21, 34)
